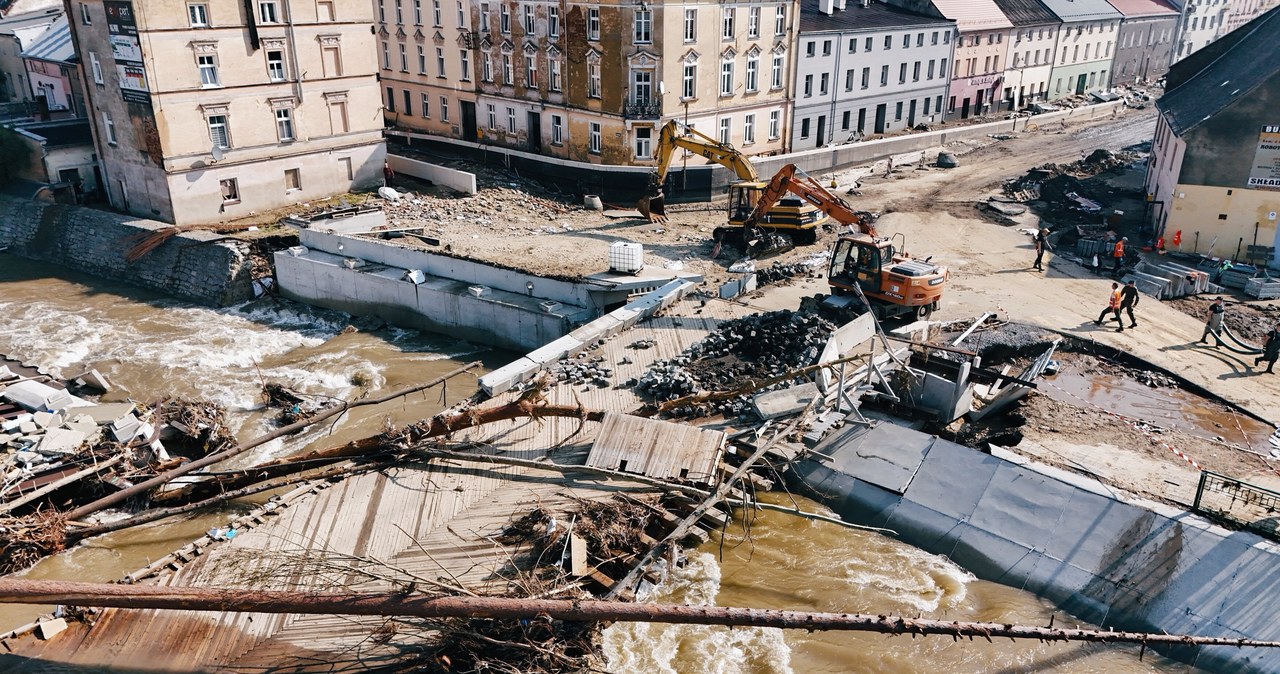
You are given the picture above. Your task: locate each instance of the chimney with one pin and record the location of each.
(840, 5)
(826, 6)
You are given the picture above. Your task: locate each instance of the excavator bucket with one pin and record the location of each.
(654, 209)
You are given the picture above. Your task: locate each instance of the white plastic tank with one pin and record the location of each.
(626, 257)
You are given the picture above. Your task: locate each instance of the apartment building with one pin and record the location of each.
(1086, 46)
(18, 31)
(53, 74)
(425, 54)
(207, 111)
(1029, 61)
(1201, 22)
(867, 68)
(1144, 47)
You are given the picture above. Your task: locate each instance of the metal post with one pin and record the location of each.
(1204, 476)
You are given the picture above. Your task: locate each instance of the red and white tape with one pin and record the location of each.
(1136, 423)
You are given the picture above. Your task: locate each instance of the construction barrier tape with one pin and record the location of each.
(1138, 424)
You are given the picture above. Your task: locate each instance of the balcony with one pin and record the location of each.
(642, 110)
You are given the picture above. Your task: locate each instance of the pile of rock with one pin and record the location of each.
(583, 370)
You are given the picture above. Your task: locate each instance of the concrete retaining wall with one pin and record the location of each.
(201, 267)
(459, 180)
(699, 182)
(1112, 561)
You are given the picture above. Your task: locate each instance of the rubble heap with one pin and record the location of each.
(753, 347)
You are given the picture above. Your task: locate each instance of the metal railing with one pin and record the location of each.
(1236, 501)
(644, 110)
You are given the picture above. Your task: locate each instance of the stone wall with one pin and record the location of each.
(201, 267)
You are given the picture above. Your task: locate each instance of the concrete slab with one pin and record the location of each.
(45, 419)
(555, 350)
(106, 413)
(49, 628)
(785, 402)
(61, 441)
(885, 455)
(508, 375)
(125, 428)
(602, 327)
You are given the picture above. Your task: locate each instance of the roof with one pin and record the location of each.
(1027, 12)
(1249, 58)
(13, 24)
(14, 7)
(972, 15)
(1082, 10)
(1137, 8)
(54, 45)
(62, 134)
(857, 17)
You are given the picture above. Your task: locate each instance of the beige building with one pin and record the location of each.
(204, 113)
(588, 82)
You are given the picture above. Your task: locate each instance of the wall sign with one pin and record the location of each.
(1265, 172)
(123, 31)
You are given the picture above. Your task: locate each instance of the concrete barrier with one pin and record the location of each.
(459, 180)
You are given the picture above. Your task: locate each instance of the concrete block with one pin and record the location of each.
(95, 380)
(105, 413)
(49, 628)
(125, 428)
(555, 350)
(28, 427)
(61, 441)
(626, 317)
(14, 423)
(600, 328)
(503, 378)
(45, 419)
(785, 402)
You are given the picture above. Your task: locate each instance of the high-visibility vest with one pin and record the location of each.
(1119, 252)
(1115, 299)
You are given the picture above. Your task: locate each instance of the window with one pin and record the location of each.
(109, 129)
(197, 13)
(230, 191)
(643, 26)
(775, 72)
(884, 76)
(557, 130)
(902, 73)
(464, 60)
(404, 59)
(556, 81)
(529, 28)
(690, 25)
(810, 48)
(511, 120)
(325, 11)
(84, 14)
(687, 82)
(726, 78)
(644, 142)
(753, 73)
(444, 109)
(386, 56)
(749, 129)
(804, 128)
(726, 23)
(504, 19)
(853, 45)
(417, 11)
(486, 69)
(530, 72)
(808, 86)
(946, 37)
(780, 20)
(207, 63)
(439, 61)
(844, 118)
(753, 22)
(775, 124)
(338, 116)
(593, 80)
(593, 137)
(96, 67)
(493, 116)
(927, 101)
(822, 83)
(399, 11)
(292, 179)
(391, 100)
(920, 39)
(408, 103)
(848, 80)
(906, 41)
(725, 127)
(866, 78)
(641, 86)
(436, 18)
(218, 131)
(508, 75)
(866, 45)
(897, 113)
(462, 15)
(284, 121)
(888, 42)
(382, 11)
(268, 11)
(826, 47)
(593, 23)
(931, 66)
(915, 72)
(426, 106)
(942, 69)
(484, 17)
(553, 21)
(986, 64)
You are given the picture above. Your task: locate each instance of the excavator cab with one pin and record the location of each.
(742, 199)
(860, 260)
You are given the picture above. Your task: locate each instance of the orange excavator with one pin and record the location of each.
(863, 265)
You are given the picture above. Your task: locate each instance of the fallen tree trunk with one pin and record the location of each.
(502, 608)
(143, 487)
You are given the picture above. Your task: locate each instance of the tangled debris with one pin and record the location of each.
(293, 406)
(28, 539)
(203, 422)
(753, 347)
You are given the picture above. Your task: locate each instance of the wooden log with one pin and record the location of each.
(21, 591)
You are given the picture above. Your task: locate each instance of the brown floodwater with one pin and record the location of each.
(152, 347)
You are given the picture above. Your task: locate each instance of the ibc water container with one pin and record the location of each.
(626, 257)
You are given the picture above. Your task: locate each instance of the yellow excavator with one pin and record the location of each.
(791, 216)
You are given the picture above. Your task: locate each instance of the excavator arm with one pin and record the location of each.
(675, 135)
(791, 179)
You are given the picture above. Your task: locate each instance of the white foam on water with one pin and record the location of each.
(915, 580)
(673, 649)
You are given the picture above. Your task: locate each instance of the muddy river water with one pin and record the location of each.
(152, 347)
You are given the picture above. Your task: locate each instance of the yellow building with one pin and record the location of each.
(1214, 176)
(204, 112)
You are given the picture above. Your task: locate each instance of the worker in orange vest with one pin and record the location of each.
(1113, 308)
(1118, 254)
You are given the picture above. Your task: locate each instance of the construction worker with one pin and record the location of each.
(1222, 268)
(1129, 301)
(1213, 324)
(1118, 254)
(1113, 307)
(1042, 244)
(1270, 349)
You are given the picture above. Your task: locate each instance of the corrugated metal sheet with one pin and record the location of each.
(1082, 10)
(1027, 12)
(1137, 8)
(656, 448)
(973, 15)
(54, 44)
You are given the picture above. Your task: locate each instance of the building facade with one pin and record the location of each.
(17, 31)
(1214, 175)
(864, 70)
(1200, 23)
(425, 52)
(1144, 48)
(52, 73)
(1029, 61)
(1086, 46)
(204, 113)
